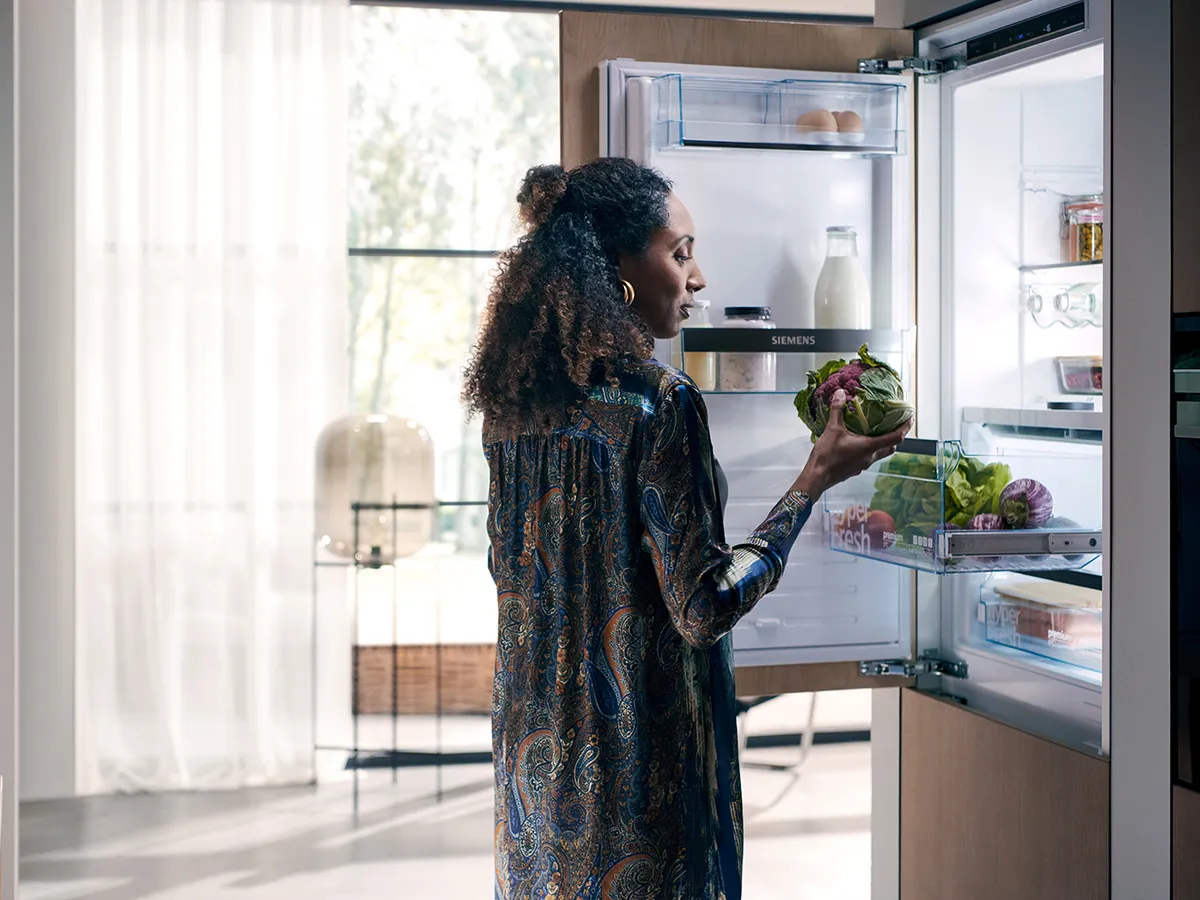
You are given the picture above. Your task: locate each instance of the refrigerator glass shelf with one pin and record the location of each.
(791, 114)
(1079, 271)
(912, 511)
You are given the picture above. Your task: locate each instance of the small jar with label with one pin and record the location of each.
(1083, 228)
(747, 371)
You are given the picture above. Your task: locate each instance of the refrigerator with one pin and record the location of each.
(986, 146)
(964, 186)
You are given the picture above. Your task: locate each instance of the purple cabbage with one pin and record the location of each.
(986, 522)
(1026, 503)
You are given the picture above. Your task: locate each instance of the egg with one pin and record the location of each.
(848, 121)
(817, 120)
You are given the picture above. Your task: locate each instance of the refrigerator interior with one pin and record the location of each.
(762, 193)
(1019, 143)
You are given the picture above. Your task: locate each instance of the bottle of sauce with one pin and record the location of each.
(700, 366)
(842, 298)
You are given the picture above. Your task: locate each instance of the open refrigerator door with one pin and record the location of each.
(1011, 307)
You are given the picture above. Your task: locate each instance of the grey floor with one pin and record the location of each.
(806, 837)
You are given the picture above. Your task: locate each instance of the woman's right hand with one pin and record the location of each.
(839, 454)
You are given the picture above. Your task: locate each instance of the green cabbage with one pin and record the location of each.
(875, 401)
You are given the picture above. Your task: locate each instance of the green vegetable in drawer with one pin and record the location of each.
(909, 491)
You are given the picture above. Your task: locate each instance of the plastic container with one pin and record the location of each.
(1083, 228)
(747, 371)
(1080, 374)
(859, 114)
(913, 510)
(701, 367)
(1056, 621)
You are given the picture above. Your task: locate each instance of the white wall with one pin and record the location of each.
(46, 152)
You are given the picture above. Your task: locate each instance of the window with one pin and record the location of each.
(448, 109)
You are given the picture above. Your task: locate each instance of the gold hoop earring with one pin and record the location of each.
(627, 292)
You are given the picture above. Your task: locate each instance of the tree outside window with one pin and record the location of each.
(448, 108)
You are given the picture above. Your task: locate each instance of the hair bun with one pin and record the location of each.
(541, 189)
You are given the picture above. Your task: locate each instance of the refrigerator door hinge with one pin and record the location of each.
(928, 664)
(918, 65)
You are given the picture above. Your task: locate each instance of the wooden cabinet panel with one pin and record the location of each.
(587, 39)
(992, 813)
(1185, 838)
(759, 681)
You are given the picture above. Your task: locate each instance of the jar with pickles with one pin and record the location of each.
(1083, 228)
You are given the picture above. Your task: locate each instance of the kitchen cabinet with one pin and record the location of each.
(1185, 838)
(1046, 809)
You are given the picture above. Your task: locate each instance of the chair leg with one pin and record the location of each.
(809, 734)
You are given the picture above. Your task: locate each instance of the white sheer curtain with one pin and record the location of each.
(210, 348)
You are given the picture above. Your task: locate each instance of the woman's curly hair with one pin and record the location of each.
(556, 322)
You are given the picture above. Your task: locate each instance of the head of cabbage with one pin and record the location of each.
(875, 401)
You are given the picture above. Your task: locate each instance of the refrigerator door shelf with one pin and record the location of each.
(792, 340)
(860, 117)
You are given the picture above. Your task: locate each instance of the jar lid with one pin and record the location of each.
(1084, 198)
(747, 311)
(701, 304)
(841, 229)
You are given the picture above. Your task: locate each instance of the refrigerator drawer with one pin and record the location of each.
(849, 115)
(935, 508)
(1070, 635)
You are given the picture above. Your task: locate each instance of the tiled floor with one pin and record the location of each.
(806, 837)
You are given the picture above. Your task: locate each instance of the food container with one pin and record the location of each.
(1083, 228)
(747, 371)
(1080, 374)
(1058, 621)
(700, 366)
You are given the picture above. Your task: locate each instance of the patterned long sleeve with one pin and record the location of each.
(707, 586)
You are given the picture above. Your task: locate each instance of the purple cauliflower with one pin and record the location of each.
(875, 401)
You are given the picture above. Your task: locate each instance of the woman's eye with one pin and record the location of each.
(681, 259)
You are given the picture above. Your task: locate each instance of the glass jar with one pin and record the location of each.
(748, 371)
(1083, 228)
(700, 366)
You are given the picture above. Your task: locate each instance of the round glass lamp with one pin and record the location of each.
(378, 462)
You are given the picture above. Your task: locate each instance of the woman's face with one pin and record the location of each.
(666, 276)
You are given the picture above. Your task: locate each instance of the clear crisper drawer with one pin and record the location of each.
(1057, 621)
(917, 509)
(700, 111)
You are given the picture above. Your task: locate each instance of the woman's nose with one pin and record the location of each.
(697, 282)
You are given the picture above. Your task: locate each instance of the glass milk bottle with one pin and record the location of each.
(700, 366)
(842, 298)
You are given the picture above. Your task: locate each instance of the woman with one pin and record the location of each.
(614, 735)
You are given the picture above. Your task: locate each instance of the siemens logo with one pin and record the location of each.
(800, 340)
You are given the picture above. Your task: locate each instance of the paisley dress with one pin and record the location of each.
(613, 726)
